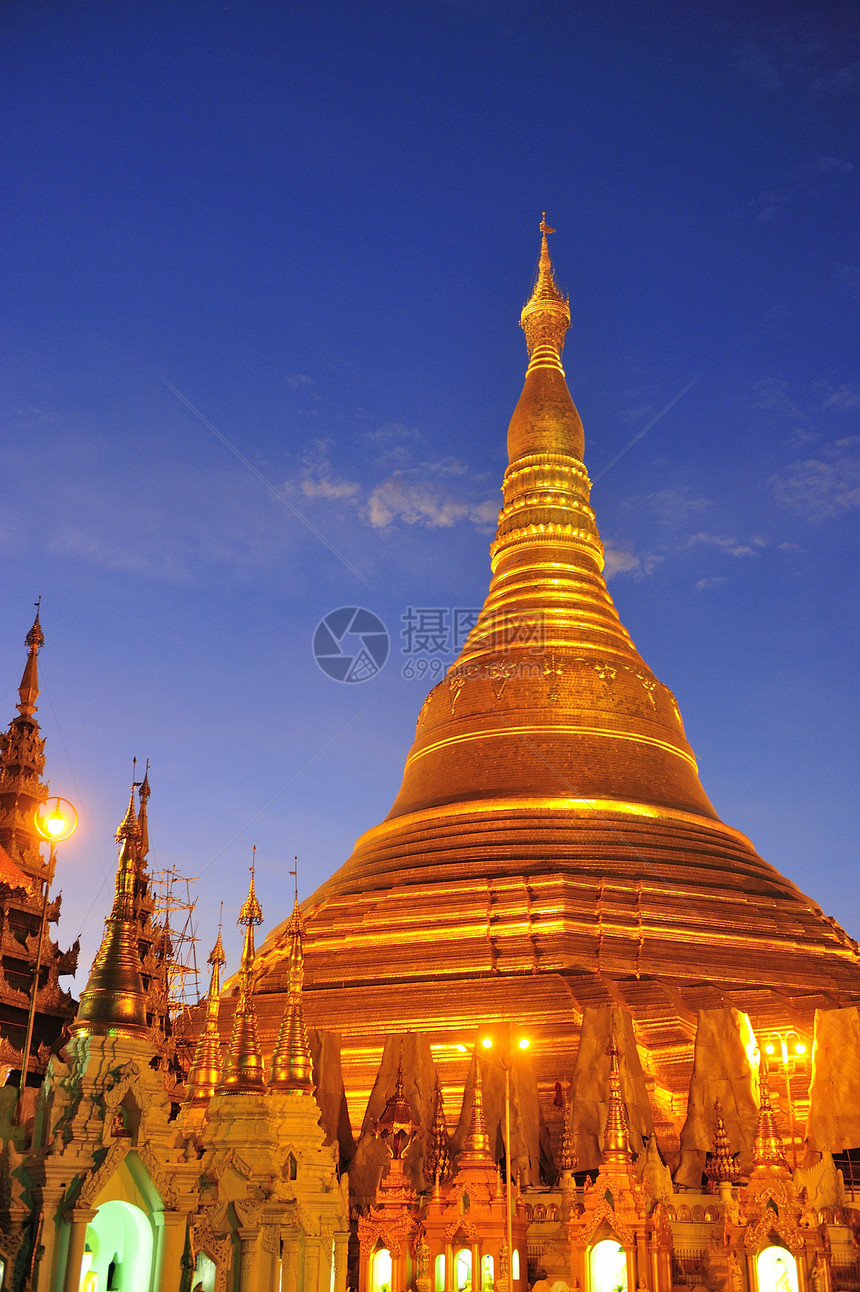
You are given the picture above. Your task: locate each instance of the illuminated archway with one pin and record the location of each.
(119, 1249)
(381, 1270)
(440, 1273)
(486, 1274)
(776, 1270)
(463, 1270)
(608, 1266)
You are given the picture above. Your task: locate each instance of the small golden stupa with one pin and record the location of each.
(551, 848)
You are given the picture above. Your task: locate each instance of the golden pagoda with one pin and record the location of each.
(551, 848)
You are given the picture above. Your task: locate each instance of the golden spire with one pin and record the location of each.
(128, 827)
(722, 1166)
(767, 1149)
(142, 822)
(243, 1062)
(206, 1066)
(616, 1134)
(567, 1156)
(114, 999)
(437, 1164)
(292, 1066)
(477, 1146)
(396, 1125)
(28, 691)
(546, 316)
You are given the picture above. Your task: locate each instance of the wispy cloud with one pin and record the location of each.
(724, 543)
(620, 560)
(822, 487)
(807, 177)
(318, 479)
(714, 582)
(433, 494)
(427, 495)
(815, 52)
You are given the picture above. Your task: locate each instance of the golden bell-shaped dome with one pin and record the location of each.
(551, 847)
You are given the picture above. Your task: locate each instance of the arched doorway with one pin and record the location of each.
(380, 1272)
(608, 1266)
(463, 1270)
(118, 1250)
(776, 1270)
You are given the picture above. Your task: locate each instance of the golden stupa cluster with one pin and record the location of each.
(550, 866)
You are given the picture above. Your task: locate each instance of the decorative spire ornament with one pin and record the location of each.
(28, 691)
(767, 1149)
(567, 1155)
(142, 819)
(243, 1063)
(477, 1146)
(292, 1066)
(206, 1065)
(114, 999)
(437, 1164)
(616, 1135)
(546, 315)
(396, 1125)
(722, 1166)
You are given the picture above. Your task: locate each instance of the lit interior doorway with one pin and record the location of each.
(463, 1269)
(608, 1266)
(776, 1269)
(118, 1250)
(381, 1275)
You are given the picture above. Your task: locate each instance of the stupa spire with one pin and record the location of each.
(437, 1164)
(142, 820)
(206, 1066)
(722, 1167)
(396, 1125)
(616, 1134)
(114, 999)
(567, 1154)
(546, 315)
(477, 1146)
(292, 1066)
(767, 1149)
(128, 827)
(28, 691)
(243, 1062)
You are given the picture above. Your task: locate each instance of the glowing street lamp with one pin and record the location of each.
(522, 1044)
(790, 1050)
(55, 820)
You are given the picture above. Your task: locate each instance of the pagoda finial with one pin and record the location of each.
(546, 316)
(128, 827)
(243, 1062)
(567, 1155)
(292, 1066)
(616, 1135)
(28, 691)
(114, 999)
(396, 1125)
(437, 1164)
(142, 821)
(722, 1166)
(477, 1146)
(206, 1066)
(767, 1149)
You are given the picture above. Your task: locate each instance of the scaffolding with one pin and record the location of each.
(174, 911)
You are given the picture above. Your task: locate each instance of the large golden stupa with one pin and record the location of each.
(551, 847)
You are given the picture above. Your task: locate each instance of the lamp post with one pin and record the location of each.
(792, 1051)
(55, 820)
(523, 1044)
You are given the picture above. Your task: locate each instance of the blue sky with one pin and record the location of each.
(316, 225)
